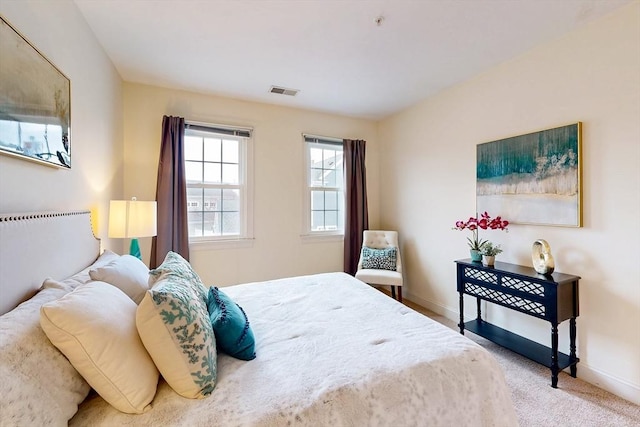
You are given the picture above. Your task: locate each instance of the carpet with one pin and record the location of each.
(575, 403)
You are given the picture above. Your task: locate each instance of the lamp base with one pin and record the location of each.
(134, 249)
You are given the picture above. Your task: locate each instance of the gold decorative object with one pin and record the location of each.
(541, 256)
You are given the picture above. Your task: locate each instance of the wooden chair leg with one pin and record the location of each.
(393, 292)
(400, 293)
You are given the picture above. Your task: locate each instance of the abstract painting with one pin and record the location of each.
(35, 111)
(533, 178)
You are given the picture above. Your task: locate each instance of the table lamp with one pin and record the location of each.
(131, 219)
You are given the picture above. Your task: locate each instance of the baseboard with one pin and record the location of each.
(617, 386)
(612, 384)
(436, 308)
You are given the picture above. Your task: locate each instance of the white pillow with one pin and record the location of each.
(94, 326)
(126, 273)
(38, 385)
(82, 277)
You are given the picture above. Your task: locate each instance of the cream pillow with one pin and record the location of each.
(94, 327)
(38, 385)
(126, 273)
(174, 326)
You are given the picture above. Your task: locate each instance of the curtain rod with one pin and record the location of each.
(224, 129)
(318, 138)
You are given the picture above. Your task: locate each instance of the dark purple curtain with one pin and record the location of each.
(171, 194)
(356, 211)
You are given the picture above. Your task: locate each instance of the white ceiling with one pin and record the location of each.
(331, 50)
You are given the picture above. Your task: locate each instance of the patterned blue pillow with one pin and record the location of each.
(380, 259)
(176, 266)
(174, 326)
(230, 326)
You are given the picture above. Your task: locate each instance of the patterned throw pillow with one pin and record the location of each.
(230, 326)
(176, 266)
(174, 326)
(380, 259)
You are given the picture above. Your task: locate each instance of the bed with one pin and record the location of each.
(330, 350)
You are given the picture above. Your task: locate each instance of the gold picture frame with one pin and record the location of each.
(35, 103)
(534, 178)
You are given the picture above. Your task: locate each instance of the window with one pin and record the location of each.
(325, 186)
(217, 166)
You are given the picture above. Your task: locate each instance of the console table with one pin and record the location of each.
(552, 297)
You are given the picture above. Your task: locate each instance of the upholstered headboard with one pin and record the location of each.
(34, 246)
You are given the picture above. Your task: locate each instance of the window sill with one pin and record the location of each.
(205, 245)
(321, 237)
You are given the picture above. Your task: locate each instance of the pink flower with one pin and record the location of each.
(485, 222)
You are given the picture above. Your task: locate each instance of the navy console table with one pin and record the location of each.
(553, 298)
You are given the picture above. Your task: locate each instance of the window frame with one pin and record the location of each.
(310, 141)
(244, 136)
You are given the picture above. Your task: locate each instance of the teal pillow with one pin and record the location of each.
(230, 326)
(380, 259)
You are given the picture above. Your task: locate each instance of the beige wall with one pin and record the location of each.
(279, 177)
(60, 32)
(425, 177)
(428, 181)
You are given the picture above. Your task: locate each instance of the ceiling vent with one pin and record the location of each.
(283, 91)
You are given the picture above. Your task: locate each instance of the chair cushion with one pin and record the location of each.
(381, 259)
(379, 277)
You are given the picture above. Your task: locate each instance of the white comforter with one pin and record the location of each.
(331, 351)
